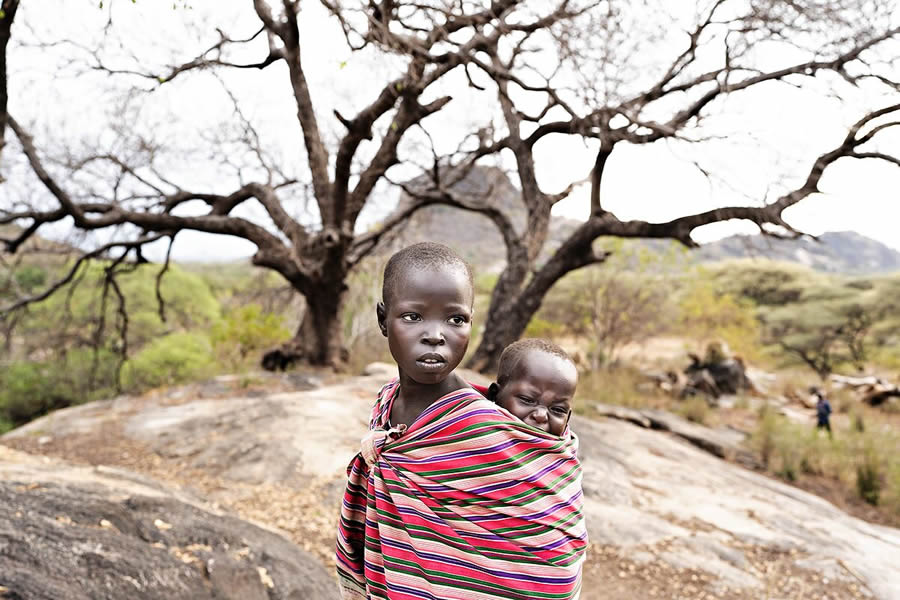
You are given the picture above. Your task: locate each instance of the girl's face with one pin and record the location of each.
(540, 391)
(428, 322)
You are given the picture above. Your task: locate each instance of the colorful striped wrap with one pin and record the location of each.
(468, 503)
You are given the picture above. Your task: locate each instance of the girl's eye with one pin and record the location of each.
(458, 320)
(411, 317)
(561, 411)
(526, 400)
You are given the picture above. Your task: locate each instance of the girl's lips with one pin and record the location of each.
(429, 364)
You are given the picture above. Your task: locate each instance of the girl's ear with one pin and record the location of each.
(381, 314)
(493, 390)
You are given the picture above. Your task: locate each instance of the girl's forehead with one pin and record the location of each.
(435, 282)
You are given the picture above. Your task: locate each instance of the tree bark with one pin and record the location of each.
(319, 338)
(8, 8)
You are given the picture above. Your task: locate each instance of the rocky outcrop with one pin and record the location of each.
(70, 533)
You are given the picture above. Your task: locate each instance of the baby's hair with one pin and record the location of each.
(425, 255)
(513, 354)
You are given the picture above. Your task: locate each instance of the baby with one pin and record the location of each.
(536, 382)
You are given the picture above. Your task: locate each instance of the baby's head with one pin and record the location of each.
(426, 310)
(536, 383)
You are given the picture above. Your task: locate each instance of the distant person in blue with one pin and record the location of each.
(823, 410)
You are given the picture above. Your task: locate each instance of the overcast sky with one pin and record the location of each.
(771, 137)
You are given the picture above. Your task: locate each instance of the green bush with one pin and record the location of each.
(27, 392)
(65, 320)
(30, 389)
(31, 277)
(541, 328)
(244, 332)
(169, 360)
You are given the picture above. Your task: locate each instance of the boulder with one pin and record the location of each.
(73, 532)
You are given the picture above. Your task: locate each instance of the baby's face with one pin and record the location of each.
(540, 391)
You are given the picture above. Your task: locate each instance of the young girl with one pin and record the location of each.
(449, 497)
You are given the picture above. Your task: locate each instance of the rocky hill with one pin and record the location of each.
(666, 519)
(834, 252)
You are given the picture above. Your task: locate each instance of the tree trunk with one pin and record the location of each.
(502, 328)
(319, 339)
(514, 302)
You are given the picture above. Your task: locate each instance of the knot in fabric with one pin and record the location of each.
(374, 441)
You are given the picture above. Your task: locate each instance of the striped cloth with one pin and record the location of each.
(468, 503)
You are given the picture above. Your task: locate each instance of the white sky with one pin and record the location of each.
(773, 133)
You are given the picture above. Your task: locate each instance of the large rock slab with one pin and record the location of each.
(661, 512)
(659, 497)
(69, 532)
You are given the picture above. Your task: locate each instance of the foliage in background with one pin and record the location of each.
(81, 318)
(68, 350)
(29, 389)
(824, 322)
(604, 308)
(169, 360)
(707, 314)
(864, 459)
(244, 333)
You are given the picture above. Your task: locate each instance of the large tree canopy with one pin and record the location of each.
(606, 74)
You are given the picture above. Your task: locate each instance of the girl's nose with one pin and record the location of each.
(433, 336)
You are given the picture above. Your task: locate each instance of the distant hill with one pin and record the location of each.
(834, 252)
(471, 234)
(476, 238)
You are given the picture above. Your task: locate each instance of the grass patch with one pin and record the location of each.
(620, 386)
(695, 409)
(864, 458)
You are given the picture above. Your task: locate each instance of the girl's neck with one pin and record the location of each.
(424, 394)
(413, 397)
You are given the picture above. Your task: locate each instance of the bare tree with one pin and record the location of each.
(605, 91)
(7, 15)
(598, 85)
(138, 202)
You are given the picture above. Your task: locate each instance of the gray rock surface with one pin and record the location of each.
(70, 533)
(646, 490)
(724, 442)
(652, 497)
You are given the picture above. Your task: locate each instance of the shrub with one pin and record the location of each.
(869, 477)
(246, 331)
(763, 438)
(30, 389)
(27, 392)
(172, 359)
